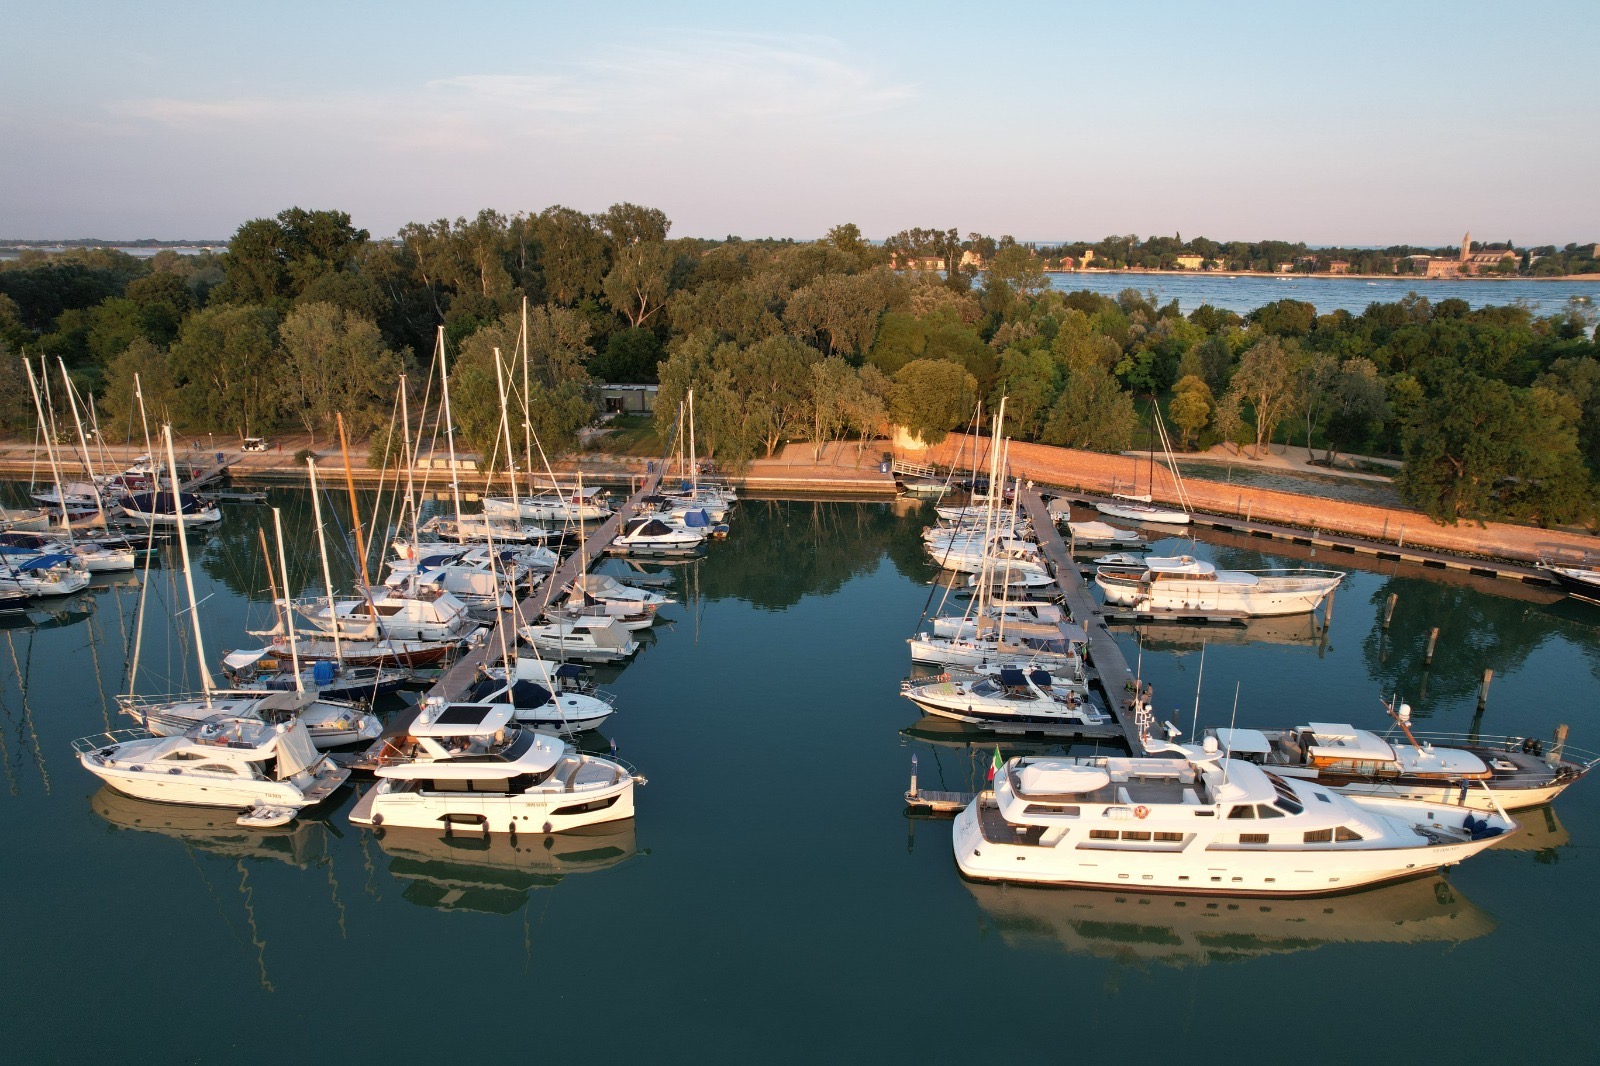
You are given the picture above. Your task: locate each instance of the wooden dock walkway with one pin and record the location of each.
(460, 677)
(1108, 668)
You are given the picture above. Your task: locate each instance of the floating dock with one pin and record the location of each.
(1108, 669)
(460, 677)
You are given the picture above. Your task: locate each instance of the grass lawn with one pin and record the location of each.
(631, 435)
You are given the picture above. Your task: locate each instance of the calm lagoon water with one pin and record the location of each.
(772, 902)
(1243, 294)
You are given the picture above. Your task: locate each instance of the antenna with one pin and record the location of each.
(1227, 753)
(1194, 729)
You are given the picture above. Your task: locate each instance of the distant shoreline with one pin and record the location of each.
(1295, 276)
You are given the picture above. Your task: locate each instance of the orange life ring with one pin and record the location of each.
(1141, 811)
(944, 677)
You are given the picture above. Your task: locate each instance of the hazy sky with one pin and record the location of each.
(1330, 123)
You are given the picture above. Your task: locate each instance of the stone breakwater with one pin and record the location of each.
(1096, 472)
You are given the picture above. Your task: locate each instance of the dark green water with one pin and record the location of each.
(772, 902)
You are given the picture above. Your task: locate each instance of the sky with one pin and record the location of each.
(1349, 123)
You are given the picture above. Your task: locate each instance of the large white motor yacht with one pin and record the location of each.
(468, 764)
(1202, 823)
(586, 638)
(220, 762)
(1182, 582)
(423, 612)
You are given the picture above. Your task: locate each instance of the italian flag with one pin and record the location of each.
(994, 767)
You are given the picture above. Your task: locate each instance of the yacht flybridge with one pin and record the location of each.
(1182, 582)
(1202, 823)
(220, 762)
(469, 764)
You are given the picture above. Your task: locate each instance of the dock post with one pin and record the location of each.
(1400, 541)
(1483, 689)
(1388, 608)
(1554, 755)
(1433, 638)
(1385, 535)
(1327, 611)
(1250, 512)
(912, 794)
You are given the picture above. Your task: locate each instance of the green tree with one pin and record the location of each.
(225, 369)
(336, 363)
(1093, 412)
(1190, 408)
(631, 356)
(931, 397)
(119, 403)
(1265, 380)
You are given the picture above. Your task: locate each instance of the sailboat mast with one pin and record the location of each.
(355, 509)
(322, 549)
(188, 569)
(450, 430)
(527, 400)
(83, 442)
(505, 429)
(49, 444)
(411, 463)
(694, 465)
(283, 568)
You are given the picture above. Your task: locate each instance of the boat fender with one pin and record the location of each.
(944, 677)
(1141, 811)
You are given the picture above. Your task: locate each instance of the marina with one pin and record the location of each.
(844, 582)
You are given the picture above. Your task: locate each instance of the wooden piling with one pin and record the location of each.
(1433, 639)
(1327, 611)
(1483, 689)
(1388, 608)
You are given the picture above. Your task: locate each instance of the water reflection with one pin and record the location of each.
(302, 843)
(1141, 928)
(1301, 630)
(493, 874)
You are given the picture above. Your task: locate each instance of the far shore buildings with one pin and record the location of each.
(1466, 263)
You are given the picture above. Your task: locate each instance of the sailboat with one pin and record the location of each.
(1143, 508)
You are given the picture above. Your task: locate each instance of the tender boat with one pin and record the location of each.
(1182, 582)
(223, 761)
(1016, 695)
(468, 764)
(1201, 823)
(1513, 773)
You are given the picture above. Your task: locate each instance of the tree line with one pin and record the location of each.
(1496, 412)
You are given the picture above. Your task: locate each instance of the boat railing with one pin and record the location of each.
(1534, 746)
(86, 745)
(1296, 571)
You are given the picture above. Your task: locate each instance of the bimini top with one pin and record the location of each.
(1347, 742)
(1243, 741)
(1050, 778)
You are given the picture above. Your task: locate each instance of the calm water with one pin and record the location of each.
(772, 902)
(1244, 294)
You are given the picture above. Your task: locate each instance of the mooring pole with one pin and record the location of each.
(1388, 608)
(1433, 638)
(1483, 689)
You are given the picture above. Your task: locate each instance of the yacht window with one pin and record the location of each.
(1323, 796)
(1266, 810)
(1342, 833)
(1135, 834)
(497, 784)
(1253, 838)
(1050, 808)
(217, 768)
(1102, 834)
(449, 784)
(1288, 806)
(1170, 838)
(1319, 836)
(1243, 811)
(182, 756)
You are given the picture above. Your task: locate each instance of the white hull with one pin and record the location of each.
(554, 811)
(545, 509)
(940, 651)
(187, 789)
(1257, 872)
(1144, 512)
(1264, 597)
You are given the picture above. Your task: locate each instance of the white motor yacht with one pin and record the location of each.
(468, 764)
(549, 697)
(605, 589)
(1014, 696)
(484, 528)
(1474, 772)
(589, 639)
(156, 508)
(652, 535)
(1100, 535)
(1201, 823)
(220, 762)
(421, 613)
(1182, 582)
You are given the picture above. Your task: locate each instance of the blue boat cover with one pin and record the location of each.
(1011, 677)
(696, 519)
(44, 562)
